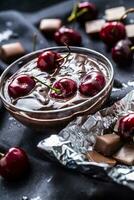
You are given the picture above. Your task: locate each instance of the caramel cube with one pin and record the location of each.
(130, 31)
(125, 155)
(94, 26)
(11, 50)
(50, 25)
(107, 144)
(114, 14)
(97, 157)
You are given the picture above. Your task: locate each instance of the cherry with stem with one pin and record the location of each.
(66, 56)
(75, 13)
(83, 11)
(112, 32)
(57, 91)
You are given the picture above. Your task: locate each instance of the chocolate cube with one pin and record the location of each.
(97, 157)
(125, 155)
(94, 26)
(107, 144)
(114, 14)
(50, 25)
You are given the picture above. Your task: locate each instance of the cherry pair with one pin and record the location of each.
(114, 34)
(82, 12)
(90, 85)
(23, 84)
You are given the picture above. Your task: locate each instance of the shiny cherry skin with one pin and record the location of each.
(92, 83)
(126, 127)
(67, 36)
(122, 52)
(91, 11)
(14, 163)
(48, 60)
(21, 86)
(67, 87)
(112, 32)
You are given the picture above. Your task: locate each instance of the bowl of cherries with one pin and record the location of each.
(52, 86)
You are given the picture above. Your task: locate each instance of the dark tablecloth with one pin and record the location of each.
(48, 180)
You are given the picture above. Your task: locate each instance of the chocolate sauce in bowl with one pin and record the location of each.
(75, 66)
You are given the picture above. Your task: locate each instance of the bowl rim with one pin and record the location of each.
(62, 109)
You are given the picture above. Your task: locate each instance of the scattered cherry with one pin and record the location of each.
(14, 163)
(21, 86)
(67, 88)
(122, 52)
(92, 83)
(68, 36)
(91, 11)
(48, 60)
(112, 32)
(83, 11)
(126, 127)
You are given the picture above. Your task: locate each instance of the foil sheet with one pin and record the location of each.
(71, 144)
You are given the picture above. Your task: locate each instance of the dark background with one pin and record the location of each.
(27, 5)
(48, 180)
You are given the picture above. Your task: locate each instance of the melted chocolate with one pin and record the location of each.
(74, 67)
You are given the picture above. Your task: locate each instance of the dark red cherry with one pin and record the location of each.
(67, 88)
(126, 127)
(48, 61)
(14, 163)
(68, 36)
(112, 32)
(21, 86)
(122, 52)
(91, 12)
(92, 83)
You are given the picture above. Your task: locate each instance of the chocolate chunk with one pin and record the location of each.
(125, 155)
(97, 157)
(107, 144)
(114, 14)
(10, 51)
(130, 31)
(50, 25)
(94, 27)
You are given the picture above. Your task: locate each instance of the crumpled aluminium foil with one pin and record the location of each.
(69, 146)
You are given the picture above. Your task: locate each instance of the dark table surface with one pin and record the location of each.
(48, 180)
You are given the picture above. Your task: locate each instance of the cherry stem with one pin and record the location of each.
(132, 48)
(69, 52)
(75, 13)
(130, 10)
(34, 41)
(57, 91)
(1, 155)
